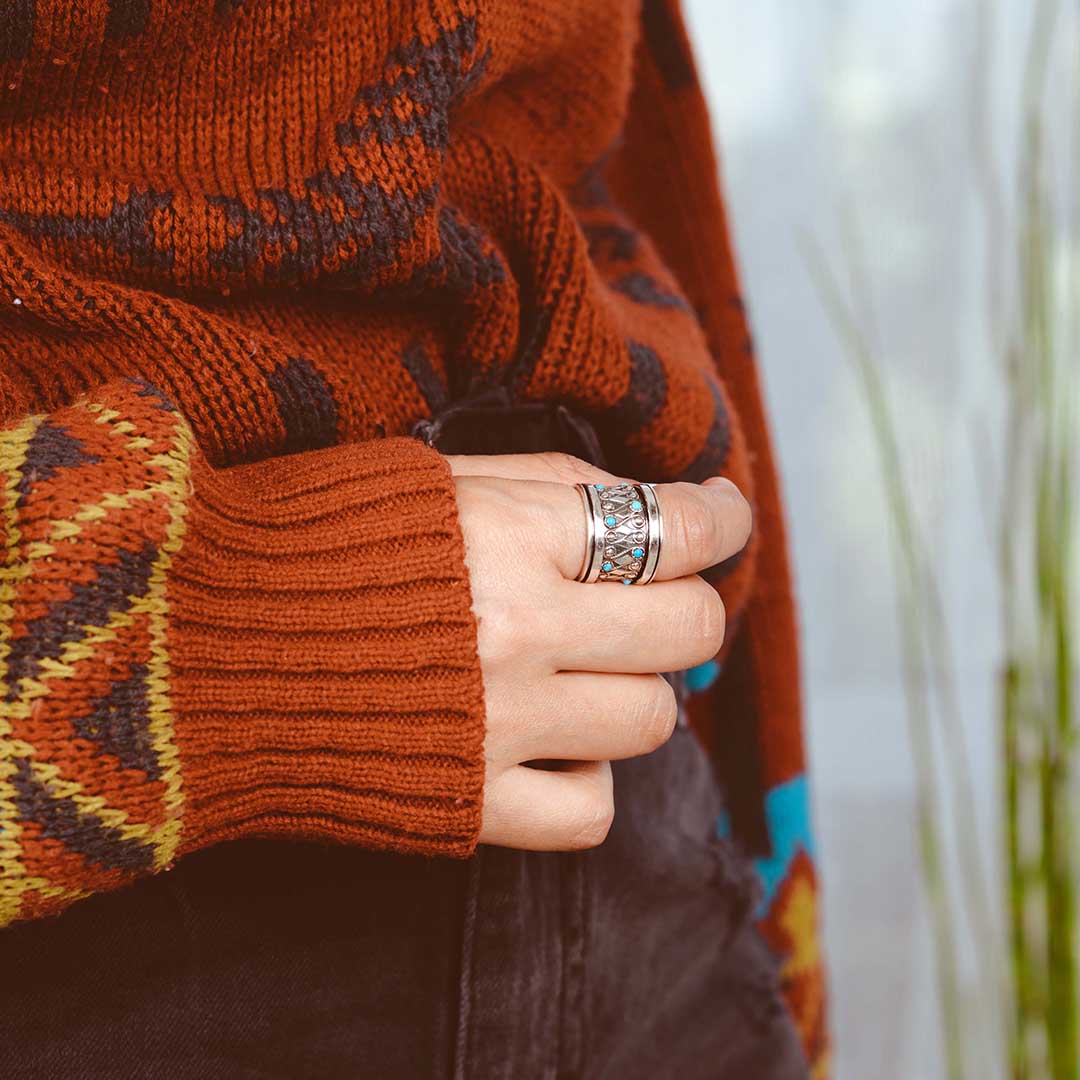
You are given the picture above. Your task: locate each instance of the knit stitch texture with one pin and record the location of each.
(245, 249)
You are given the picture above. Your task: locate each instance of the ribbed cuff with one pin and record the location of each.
(322, 651)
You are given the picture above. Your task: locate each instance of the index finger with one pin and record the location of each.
(547, 467)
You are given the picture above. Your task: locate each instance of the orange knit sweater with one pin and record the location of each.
(245, 248)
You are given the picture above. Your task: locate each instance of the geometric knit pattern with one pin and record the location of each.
(313, 227)
(89, 773)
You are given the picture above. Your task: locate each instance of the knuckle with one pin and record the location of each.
(697, 531)
(659, 713)
(595, 823)
(710, 620)
(742, 523)
(714, 621)
(668, 713)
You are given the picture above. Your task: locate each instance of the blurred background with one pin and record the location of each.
(860, 139)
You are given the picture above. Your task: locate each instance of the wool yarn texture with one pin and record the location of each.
(246, 248)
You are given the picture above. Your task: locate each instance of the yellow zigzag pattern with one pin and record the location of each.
(13, 882)
(174, 489)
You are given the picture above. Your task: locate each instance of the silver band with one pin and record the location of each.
(624, 533)
(655, 534)
(594, 542)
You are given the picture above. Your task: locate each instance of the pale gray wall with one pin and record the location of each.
(824, 108)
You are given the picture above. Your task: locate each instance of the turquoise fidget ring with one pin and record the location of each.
(624, 532)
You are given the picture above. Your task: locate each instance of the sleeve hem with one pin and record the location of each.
(322, 651)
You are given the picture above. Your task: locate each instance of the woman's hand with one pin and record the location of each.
(570, 670)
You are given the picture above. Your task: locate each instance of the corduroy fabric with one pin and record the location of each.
(308, 228)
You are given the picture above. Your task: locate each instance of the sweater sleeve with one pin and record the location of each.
(191, 654)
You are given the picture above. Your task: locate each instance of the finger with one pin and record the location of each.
(665, 626)
(542, 810)
(583, 716)
(550, 468)
(704, 524)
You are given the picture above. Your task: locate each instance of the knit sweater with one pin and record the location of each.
(245, 249)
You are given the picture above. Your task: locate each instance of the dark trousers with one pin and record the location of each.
(263, 959)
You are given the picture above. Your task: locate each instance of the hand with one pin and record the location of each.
(570, 670)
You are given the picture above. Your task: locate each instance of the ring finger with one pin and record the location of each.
(585, 716)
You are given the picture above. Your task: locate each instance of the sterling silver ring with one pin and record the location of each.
(624, 533)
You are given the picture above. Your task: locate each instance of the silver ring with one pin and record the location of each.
(594, 542)
(655, 534)
(624, 533)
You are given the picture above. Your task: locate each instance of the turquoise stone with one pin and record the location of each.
(636, 504)
(639, 553)
(599, 487)
(627, 581)
(610, 520)
(608, 566)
